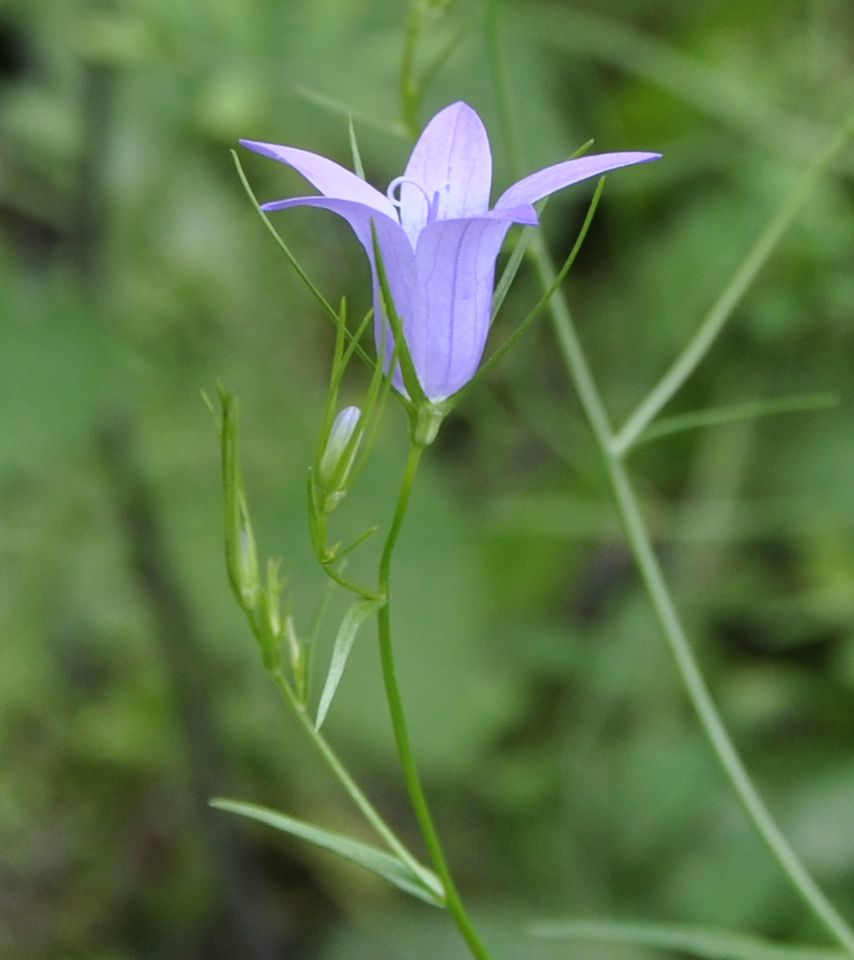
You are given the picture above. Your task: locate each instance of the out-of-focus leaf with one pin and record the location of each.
(700, 942)
(741, 411)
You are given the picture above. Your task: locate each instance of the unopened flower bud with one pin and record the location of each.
(337, 460)
(240, 552)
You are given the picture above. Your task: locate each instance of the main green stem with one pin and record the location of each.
(674, 632)
(453, 902)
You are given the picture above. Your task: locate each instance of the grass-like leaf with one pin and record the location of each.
(700, 942)
(333, 315)
(377, 861)
(358, 166)
(739, 411)
(342, 109)
(315, 292)
(357, 614)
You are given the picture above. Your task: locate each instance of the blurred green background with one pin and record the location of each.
(566, 771)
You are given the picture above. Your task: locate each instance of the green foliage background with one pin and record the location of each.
(567, 774)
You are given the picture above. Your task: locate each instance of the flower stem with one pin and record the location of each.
(411, 777)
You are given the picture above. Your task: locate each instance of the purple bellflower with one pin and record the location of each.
(437, 236)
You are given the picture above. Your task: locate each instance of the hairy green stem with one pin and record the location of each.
(411, 777)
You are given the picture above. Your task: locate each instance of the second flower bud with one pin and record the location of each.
(336, 462)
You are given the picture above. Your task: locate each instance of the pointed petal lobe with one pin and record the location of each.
(330, 178)
(544, 182)
(451, 159)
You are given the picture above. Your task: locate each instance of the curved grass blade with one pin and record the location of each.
(358, 613)
(244, 181)
(358, 166)
(377, 861)
(306, 279)
(702, 943)
(342, 109)
(715, 416)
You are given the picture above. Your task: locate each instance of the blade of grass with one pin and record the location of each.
(700, 942)
(716, 416)
(377, 861)
(355, 616)
(315, 292)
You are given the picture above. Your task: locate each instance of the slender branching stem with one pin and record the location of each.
(351, 788)
(671, 624)
(411, 777)
(637, 535)
(731, 295)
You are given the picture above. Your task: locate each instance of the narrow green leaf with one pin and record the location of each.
(358, 166)
(377, 861)
(365, 535)
(701, 942)
(240, 550)
(521, 246)
(740, 411)
(206, 400)
(324, 303)
(508, 274)
(357, 614)
(312, 287)
(346, 110)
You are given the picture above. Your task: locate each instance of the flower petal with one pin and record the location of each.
(397, 254)
(455, 270)
(331, 179)
(452, 159)
(540, 184)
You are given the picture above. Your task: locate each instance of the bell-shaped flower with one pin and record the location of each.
(439, 239)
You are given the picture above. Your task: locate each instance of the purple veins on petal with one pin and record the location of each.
(455, 266)
(455, 269)
(452, 163)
